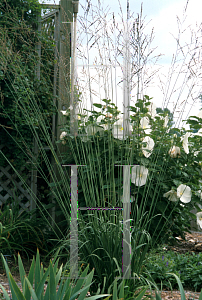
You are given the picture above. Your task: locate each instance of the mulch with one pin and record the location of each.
(192, 243)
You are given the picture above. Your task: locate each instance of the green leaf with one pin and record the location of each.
(5, 293)
(200, 296)
(106, 101)
(180, 286)
(141, 295)
(40, 287)
(7, 273)
(31, 280)
(37, 270)
(158, 297)
(31, 290)
(97, 105)
(22, 273)
(16, 289)
(51, 288)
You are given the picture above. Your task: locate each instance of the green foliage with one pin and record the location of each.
(187, 266)
(20, 230)
(19, 82)
(57, 287)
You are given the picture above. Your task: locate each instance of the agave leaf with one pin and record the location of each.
(57, 278)
(62, 289)
(31, 280)
(56, 266)
(40, 287)
(121, 293)
(68, 291)
(114, 297)
(16, 289)
(5, 293)
(80, 281)
(31, 290)
(141, 295)
(180, 285)
(51, 288)
(7, 273)
(200, 296)
(22, 273)
(37, 270)
(158, 297)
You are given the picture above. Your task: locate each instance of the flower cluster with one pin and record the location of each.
(183, 193)
(145, 126)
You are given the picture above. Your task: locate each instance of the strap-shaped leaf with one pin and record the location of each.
(56, 266)
(180, 285)
(121, 293)
(31, 280)
(34, 297)
(57, 278)
(22, 273)
(40, 288)
(7, 273)
(51, 288)
(114, 296)
(66, 289)
(5, 293)
(87, 283)
(80, 281)
(16, 289)
(141, 295)
(37, 270)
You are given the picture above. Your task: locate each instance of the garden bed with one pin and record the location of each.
(192, 243)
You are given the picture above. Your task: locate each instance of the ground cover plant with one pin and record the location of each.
(165, 162)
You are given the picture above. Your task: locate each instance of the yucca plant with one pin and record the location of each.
(33, 284)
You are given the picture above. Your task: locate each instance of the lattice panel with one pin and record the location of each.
(12, 187)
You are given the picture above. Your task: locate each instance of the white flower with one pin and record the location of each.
(144, 122)
(174, 151)
(117, 129)
(171, 195)
(152, 109)
(184, 193)
(63, 134)
(149, 146)
(139, 175)
(185, 142)
(165, 121)
(199, 218)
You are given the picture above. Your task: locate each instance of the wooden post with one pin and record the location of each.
(35, 148)
(65, 19)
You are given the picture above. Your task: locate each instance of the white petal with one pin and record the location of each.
(149, 146)
(174, 151)
(184, 193)
(139, 175)
(171, 195)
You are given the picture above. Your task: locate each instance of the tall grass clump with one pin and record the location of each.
(164, 157)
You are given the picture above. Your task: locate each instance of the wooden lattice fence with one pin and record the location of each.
(12, 187)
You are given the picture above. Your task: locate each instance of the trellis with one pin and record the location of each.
(58, 24)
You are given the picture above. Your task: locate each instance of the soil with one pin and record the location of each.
(192, 243)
